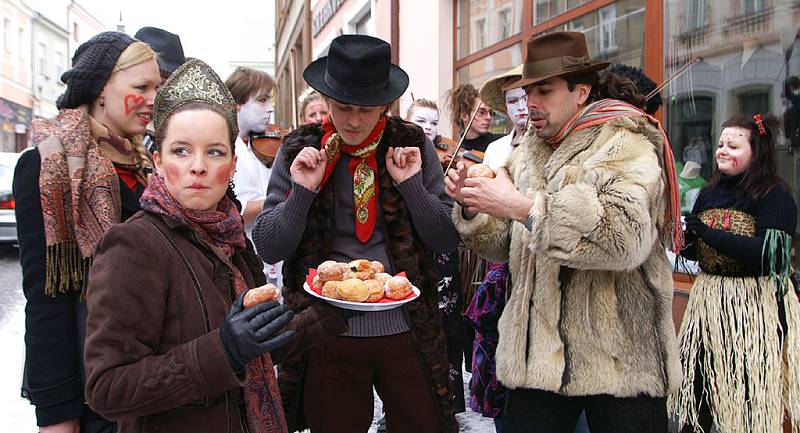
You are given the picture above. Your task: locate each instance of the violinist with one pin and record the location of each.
(252, 92)
(463, 101)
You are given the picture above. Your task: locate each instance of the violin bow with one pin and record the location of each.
(464, 135)
(680, 71)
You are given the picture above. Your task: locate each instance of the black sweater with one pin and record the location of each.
(775, 210)
(54, 326)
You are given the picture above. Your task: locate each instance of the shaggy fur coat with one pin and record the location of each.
(590, 311)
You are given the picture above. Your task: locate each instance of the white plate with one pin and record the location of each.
(362, 306)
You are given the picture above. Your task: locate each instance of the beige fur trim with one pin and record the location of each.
(489, 237)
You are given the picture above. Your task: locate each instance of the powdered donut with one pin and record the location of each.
(480, 170)
(354, 290)
(330, 271)
(258, 295)
(397, 288)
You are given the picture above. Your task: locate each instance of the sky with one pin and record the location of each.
(217, 32)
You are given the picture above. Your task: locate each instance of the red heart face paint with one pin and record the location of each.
(132, 102)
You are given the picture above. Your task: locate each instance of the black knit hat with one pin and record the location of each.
(92, 65)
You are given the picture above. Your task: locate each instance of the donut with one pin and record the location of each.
(361, 275)
(331, 289)
(354, 290)
(377, 266)
(259, 295)
(382, 277)
(317, 283)
(330, 271)
(397, 288)
(376, 290)
(480, 170)
(360, 265)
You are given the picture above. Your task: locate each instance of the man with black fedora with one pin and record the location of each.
(362, 185)
(583, 212)
(167, 45)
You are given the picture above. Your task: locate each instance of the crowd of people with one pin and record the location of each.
(146, 211)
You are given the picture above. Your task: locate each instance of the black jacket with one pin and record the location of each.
(55, 327)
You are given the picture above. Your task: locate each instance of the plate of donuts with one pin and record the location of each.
(360, 285)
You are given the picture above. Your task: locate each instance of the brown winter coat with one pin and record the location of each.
(155, 361)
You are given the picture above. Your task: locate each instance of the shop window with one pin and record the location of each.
(544, 10)
(615, 32)
(482, 23)
(6, 34)
(481, 70)
(749, 64)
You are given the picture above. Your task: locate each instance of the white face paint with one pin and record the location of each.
(427, 119)
(254, 115)
(517, 107)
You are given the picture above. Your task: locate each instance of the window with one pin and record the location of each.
(696, 15)
(43, 61)
(753, 101)
(6, 34)
(59, 65)
(362, 25)
(75, 32)
(615, 32)
(21, 43)
(481, 70)
(544, 10)
(483, 23)
(607, 33)
(752, 6)
(505, 22)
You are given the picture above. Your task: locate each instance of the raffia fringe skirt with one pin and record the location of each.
(732, 331)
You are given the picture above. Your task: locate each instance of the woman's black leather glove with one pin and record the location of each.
(246, 334)
(696, 226)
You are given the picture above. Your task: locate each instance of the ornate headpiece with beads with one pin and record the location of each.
(193, 82)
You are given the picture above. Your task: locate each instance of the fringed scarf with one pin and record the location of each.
(608, 109)
(363, 167)
(79, 190)
(223, 229)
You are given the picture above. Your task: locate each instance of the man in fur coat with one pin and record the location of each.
(363, 185)
(580, 212)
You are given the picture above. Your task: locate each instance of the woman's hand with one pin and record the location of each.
(308, 168)
(69, 426)
(403, 162)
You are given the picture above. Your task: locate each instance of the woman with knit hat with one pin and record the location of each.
(85, 174)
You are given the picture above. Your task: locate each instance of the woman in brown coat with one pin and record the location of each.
(165, 349)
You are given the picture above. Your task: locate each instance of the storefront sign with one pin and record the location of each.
(14, 117)
(324, 15)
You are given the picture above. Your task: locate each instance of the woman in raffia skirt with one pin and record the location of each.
(739, 337)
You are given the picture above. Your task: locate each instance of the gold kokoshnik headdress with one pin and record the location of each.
(194, 82)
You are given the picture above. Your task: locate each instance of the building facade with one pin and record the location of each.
(82, 25)
(16, 99)
(49, 47)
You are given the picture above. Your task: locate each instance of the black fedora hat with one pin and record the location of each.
(166, 44)
(358, 70)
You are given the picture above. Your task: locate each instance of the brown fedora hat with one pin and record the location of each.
(555, 55)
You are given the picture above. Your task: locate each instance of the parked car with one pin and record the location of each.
(8, 222)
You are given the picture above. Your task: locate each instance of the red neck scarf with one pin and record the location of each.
(607, 109)
(363, 167)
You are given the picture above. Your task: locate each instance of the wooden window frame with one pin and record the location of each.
(653, 43)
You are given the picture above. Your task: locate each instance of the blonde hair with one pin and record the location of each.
(309, 95)
(137, 53)
(421, 102)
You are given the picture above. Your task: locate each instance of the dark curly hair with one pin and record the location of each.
(461, 99)
(641, 81)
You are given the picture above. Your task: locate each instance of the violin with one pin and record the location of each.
(266, 144)
(444, 150)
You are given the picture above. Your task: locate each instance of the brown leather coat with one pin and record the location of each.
(155, 362)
